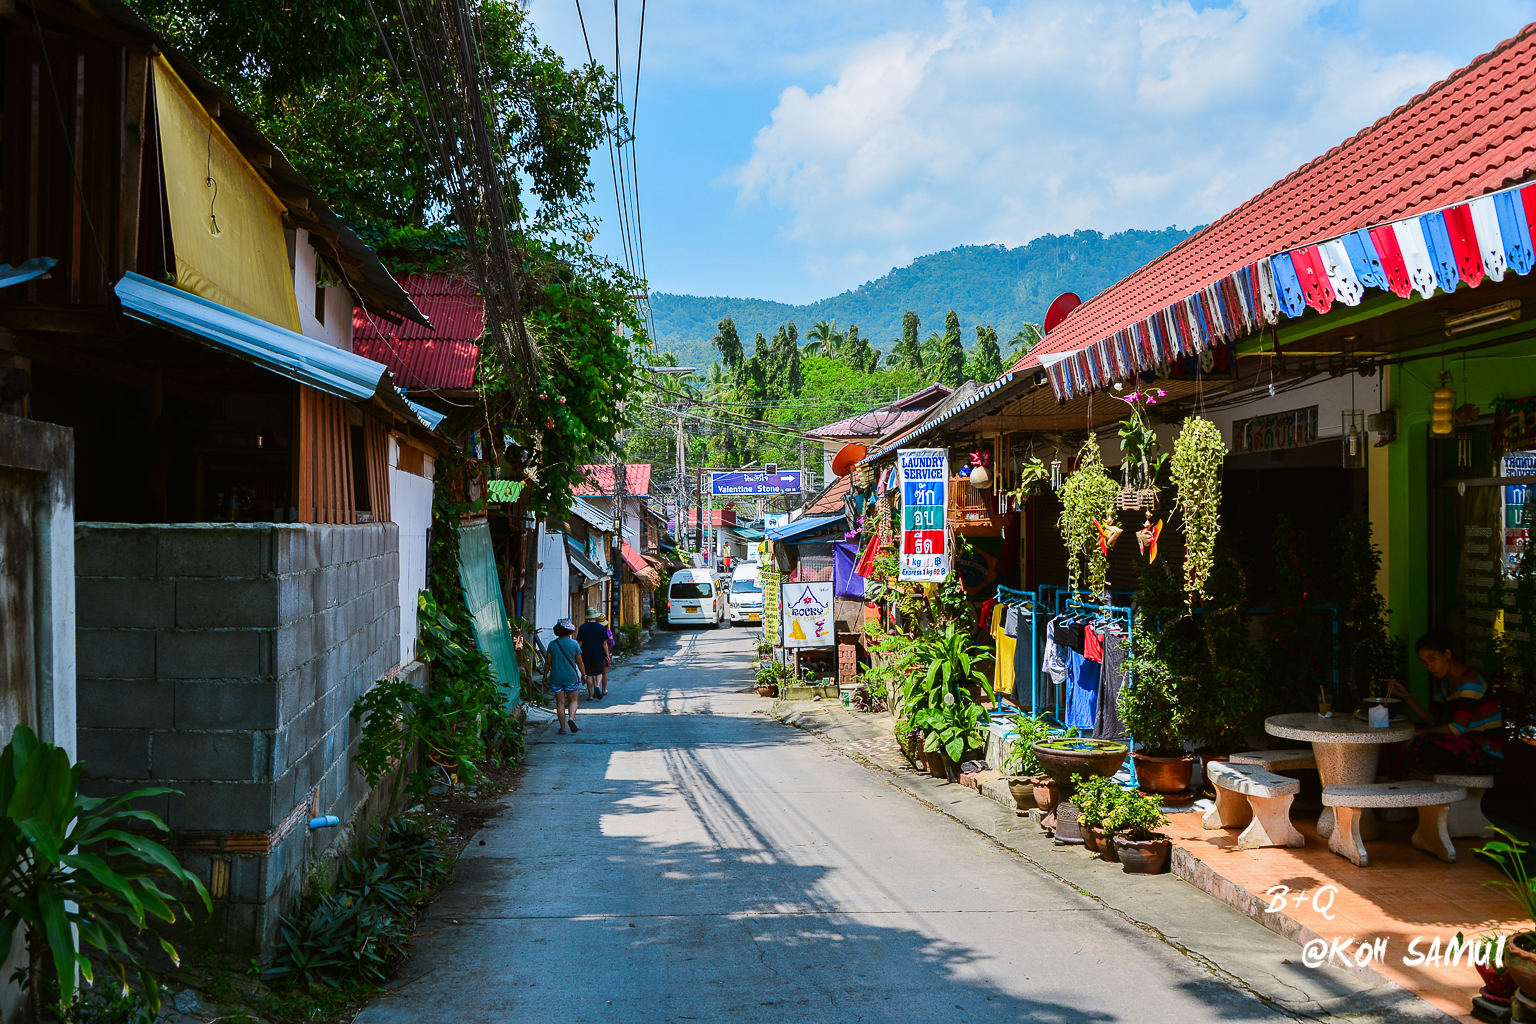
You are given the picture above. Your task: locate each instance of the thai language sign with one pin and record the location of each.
(924, 504)
(1519, 500)
(1276, 432)
(807, 612)
(754, 483)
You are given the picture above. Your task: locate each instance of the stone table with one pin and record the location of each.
(1347, 750)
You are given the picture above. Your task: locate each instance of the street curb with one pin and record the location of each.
(1157, 904)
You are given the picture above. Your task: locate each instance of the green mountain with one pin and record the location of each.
(985, 284)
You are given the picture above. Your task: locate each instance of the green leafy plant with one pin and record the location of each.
(773, 673)
(1096, 798)
(1198, 454)
(1138, 816)
(69, 867)
(940, 669)
(629, 636)
(1032, 474)
(952, 728)
(1139, 445)
(357, 932)
(1087, 505)
(1022, 759)
(1149, 707)
(1510, 855)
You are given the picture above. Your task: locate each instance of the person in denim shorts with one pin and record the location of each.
(564, 673)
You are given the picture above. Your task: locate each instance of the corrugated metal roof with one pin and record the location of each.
(804, 527)
(637, 480)
(963, 399)
(581, 562)
(1471, 134)
(503, 492)
(437, 358)
(591, 514)
(879, 422)
(35, 267)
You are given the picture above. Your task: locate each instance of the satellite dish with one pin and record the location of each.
(1064, 303)
(848, 456)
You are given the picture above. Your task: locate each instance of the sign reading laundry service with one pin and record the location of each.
(807, 612)
(924, 504)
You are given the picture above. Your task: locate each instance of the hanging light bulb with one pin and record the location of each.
(1354, 439)
(1442, 408)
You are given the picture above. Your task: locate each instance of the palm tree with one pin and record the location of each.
(825, 340)
(1026, 338)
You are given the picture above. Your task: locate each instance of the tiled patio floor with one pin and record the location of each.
(1404, 894)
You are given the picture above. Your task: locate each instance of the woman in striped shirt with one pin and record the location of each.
(1465, 731)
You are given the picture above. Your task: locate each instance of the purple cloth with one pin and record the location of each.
(845, 558)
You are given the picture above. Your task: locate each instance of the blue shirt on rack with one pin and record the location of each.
(1082, 686)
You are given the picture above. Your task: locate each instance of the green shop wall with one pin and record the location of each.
(1401, 516)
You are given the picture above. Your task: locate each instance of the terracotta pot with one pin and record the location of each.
(1106, 841)
(1164, 774)
(1023, 790)
(1047, 792)
(933, 764)
(1520, 963)
(1061, 759)
(1496, 984)
(1090, 838)
(1143, 856)
(768, 691)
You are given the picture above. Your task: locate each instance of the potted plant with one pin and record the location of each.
(770, 676)
(940, 696)
(1026, 781)
(1087, 517)
(1509, 854)
(1497, 983)
(1142, 848)
(951, 730)
(1149, 708)
(1096, 798)
(1140, 462)
(1064, 757)
(1198, 454)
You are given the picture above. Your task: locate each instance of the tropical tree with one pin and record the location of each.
(729, 344)
(1024, 339)
(952, 352)
(909, 351)
(986, 362)
(824, 339)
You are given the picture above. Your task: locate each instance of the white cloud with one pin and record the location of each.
(998, 125)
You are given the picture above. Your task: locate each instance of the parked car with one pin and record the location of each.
(697, 597)
(746, 595)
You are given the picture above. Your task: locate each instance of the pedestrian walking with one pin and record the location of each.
(593, 638)
(564, 673)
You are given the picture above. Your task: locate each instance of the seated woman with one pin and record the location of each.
(1465, 732)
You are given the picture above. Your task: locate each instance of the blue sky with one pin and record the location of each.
(790, 150)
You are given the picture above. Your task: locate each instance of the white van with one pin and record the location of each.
(695, 598)
(746, 595)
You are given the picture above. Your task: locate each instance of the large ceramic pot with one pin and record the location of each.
(1090, 838)
(1023, 790)
(935, 764)
(1106, 840)
(1063, 758)
(1520, 962)
(1047, 792)
(1164, 774)
(1143, 856)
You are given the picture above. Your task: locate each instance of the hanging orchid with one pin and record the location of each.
(1139, 446)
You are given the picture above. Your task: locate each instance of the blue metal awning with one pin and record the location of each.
(801, 528)
(35, 267)
(430, 418)
(581, 562)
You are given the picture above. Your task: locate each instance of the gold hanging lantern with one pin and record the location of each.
(1442, 409)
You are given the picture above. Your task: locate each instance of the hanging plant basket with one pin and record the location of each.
(1133, 499)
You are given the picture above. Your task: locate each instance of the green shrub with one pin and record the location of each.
(1138, 816)
(1021, 755)
(1097, 798)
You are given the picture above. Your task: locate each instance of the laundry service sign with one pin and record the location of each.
(924, 502)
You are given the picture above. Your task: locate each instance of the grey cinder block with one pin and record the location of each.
(114, 753)
(202, 755)
(219, 704)
(215, 550)
(220, 603)
(103, 549)
(115, 653)
(196, 654)
(125, 602)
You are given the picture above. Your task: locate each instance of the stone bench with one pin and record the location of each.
(1433, 800)
(1246, 794)
(1466, 820)
(1278, 760)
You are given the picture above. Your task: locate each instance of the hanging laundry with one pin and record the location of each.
(1093, 644)
(1288, 286)
(1514, 228)
(1082, 692)
(1053, 658)
(1108, 725)
(1269, 294)
(1002, 673)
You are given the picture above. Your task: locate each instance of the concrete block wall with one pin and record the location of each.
(223, 660)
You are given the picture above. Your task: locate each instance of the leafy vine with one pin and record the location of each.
(1087, 509)
(1198, 453)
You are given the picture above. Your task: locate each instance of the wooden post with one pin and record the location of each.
(135, 89)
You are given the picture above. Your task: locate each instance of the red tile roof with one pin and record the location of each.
(637, 480)
(439, 358)
(881, 421)
(1473, 133)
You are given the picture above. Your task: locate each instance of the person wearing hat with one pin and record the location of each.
(564, 673)
(594, 639)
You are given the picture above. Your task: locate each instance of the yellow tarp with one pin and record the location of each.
(228, 236)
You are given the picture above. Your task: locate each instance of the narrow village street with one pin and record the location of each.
(685, 857)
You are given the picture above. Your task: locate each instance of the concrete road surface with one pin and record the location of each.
(684, 858)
